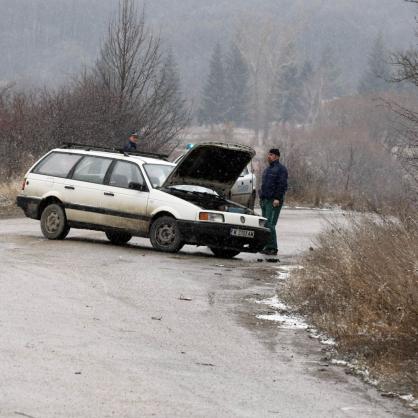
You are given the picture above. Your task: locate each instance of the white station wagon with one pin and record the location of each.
(133, 194)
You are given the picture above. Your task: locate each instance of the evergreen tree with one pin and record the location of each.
(213, 108)
(329, 74)
(171, 102)
(288, 91)
(237, 84)
(377, 74)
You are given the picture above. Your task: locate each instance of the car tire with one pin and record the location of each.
(118, 238)
(165, 235)
(54, 224)
(222, 253)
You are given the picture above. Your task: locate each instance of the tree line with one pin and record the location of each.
(280, 87)
(133, 85)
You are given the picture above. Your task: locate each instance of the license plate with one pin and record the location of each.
(245, 233)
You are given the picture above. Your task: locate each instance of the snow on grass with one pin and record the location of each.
(284, 271)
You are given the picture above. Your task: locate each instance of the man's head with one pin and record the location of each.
(273, 155)
(133, 136)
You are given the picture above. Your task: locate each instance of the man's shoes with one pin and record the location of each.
(268, 251)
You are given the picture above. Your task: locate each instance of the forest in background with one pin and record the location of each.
(46, 41)
(310, 77)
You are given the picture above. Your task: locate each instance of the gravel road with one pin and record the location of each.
(93, 330)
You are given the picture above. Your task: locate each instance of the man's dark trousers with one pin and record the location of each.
(271, 213)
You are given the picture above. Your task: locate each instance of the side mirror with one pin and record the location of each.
(138, 186)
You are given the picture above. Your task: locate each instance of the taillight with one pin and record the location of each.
(23, 184)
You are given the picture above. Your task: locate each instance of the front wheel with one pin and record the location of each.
(165, 235)
(118, 238)
(221, 253)
(54, 223)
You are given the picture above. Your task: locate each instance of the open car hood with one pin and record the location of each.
(212, 165)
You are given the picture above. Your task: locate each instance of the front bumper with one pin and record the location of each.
(218, 235)
(30, 206)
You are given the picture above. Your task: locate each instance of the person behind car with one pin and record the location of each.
(131, 145)
(272, 194)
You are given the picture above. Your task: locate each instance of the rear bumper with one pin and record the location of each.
(30, 206)
(218, 235)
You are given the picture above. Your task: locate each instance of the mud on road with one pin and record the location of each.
(94, 330)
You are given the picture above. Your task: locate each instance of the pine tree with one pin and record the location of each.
(237, 84)
(375, 78)
(329, 74)
(172, 104)
(172, 80)
(213, 108)
(288, 92)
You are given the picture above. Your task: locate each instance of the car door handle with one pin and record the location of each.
(108, 194)
(69, 187)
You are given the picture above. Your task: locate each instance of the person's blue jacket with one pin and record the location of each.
(274, 182)
(130, 146)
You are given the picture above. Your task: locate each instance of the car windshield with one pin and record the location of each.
(157, 173)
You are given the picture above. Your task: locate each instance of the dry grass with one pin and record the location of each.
(8, 193)
(360, 285)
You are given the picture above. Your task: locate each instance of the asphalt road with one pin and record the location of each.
(93, 330)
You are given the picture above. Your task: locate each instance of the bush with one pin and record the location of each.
(360, 285)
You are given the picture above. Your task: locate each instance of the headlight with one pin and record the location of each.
(262, 222)
(211, 217)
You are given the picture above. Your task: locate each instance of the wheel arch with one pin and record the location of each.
(160, 214)
(48, 200)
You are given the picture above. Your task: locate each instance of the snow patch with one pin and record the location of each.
(286, 321)
(408, 398)
(283, 272)
(273, 302)
(356, 370)
(328, 341)
(339, 362)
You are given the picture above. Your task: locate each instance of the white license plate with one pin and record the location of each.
(242, 233)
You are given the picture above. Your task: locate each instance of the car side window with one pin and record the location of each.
(245, 172)
(57, 164)
(124, 173)
(92, 169)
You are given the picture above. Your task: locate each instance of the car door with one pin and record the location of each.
(126, 198)
(242, 190)
(84, 190)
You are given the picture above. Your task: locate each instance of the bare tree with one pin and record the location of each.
(132, 70)
(405, 64)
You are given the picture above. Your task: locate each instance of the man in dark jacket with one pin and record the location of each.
(132, 140)
(272, 193)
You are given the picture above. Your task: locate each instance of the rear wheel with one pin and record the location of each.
(165, 235)
(221, 253)
(118, 238)
(54, 223)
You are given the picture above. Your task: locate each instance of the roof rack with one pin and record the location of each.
(88, 147)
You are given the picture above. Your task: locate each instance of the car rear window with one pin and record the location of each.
(57, 164)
